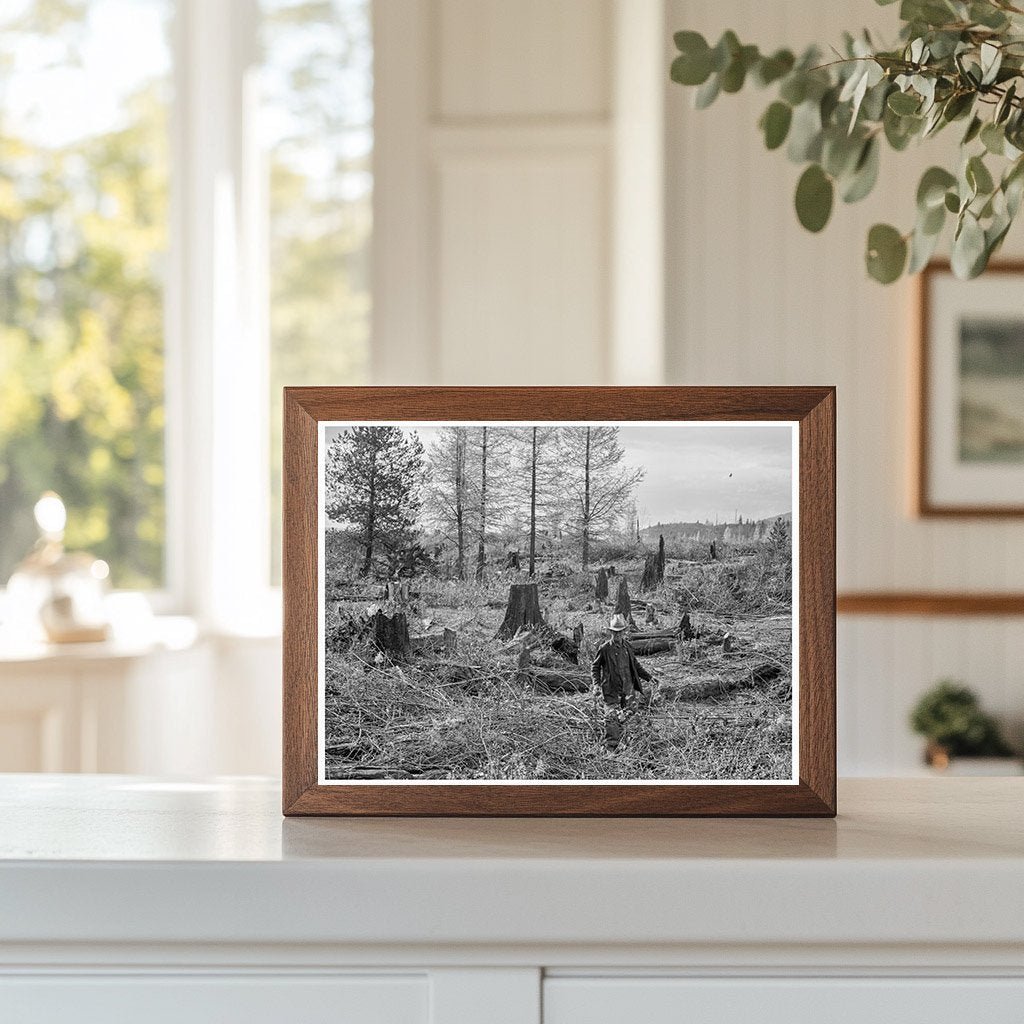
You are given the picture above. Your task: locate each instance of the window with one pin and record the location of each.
(83, 236)
(168, 263)
(317, 118)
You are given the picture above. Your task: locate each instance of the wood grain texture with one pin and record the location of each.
(299, 585)
(924, 603)
(812, 407)
(922, 500)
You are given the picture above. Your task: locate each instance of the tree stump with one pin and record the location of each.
(577, 634)
(601, 585)
(623, 606)
(686, 630)
(523, 610)
(661, 558)
(450, 640)
(512, 560)
(398, 591)
(390, 634)
(649, 580)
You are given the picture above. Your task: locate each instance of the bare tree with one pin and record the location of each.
(449, 499)
(600, 487)
(481, 550)
(489, 456)
(538, 465)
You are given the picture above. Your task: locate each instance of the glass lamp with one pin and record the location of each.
(56, 593)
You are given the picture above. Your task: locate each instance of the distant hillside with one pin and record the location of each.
(745, 531)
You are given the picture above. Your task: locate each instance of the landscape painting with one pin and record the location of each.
(991, 390)
(557, 602)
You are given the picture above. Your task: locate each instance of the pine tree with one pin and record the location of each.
(778, 536)
(373, 480)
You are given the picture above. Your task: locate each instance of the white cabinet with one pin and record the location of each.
(173, 703)
(128, 898)
(822, 1000)
(225, 999)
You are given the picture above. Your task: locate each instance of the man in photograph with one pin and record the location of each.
(618, 676)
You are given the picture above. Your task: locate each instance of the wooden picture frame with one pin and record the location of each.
(925, 502)
(811, 792)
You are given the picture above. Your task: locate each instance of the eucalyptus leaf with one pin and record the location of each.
(904, 103)
(794, 89)
(968, 248)
(771, 69)
(978, 176)
(1005, 106)
(805, 133)
(922, 248)
(931, 221)
(993, 138)
(865, 174)
(1013, 187)
(689, 70)
(775, 123)
(991, 60)
(931, 191)
(957, 106)
(735, 74)
(987, 15)
(973, 130)
(814, 194)
(724, 51)
(840, 152)
(886, 253)
(707, 93)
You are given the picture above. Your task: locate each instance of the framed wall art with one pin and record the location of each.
(970, 418)
(559, 601)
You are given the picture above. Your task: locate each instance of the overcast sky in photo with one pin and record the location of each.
(698, 471)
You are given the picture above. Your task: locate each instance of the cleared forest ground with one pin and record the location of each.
(466, 708)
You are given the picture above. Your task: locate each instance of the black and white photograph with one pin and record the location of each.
(557, 602)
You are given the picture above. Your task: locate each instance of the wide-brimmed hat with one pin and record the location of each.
(618, 623)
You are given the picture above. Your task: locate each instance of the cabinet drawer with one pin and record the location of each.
(783, 1001)
(222, 999)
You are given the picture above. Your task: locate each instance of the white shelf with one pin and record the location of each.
(125, 860)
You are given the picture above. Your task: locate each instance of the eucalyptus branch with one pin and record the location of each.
(954, 60)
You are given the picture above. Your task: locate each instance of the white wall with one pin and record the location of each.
(497, 176)
(753, 299)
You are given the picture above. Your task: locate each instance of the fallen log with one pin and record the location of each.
(652, 634)
(761, 675)
(554, 680)
(652, 646)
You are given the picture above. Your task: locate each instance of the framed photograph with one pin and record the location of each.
(559, 601)
(970, 451)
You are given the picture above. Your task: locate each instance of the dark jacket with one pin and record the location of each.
(617, 671)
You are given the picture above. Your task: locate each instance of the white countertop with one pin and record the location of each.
(117, 859)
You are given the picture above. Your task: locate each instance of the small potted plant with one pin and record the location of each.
(950, 717)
